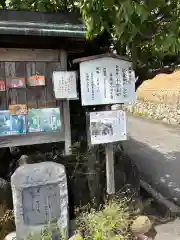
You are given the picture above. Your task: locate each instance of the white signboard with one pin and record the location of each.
(107, 81)
(107, 126)
(65, 85)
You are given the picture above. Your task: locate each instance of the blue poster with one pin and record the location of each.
(44, 120)
(11, 125)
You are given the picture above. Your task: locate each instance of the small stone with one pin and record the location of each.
(165, 120)
(178, 111)
(11, 236)
(173, 121)
(141, 225)
(76, 237)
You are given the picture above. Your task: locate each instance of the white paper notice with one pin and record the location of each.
(107, 81)
(65, 85)
(108, 126)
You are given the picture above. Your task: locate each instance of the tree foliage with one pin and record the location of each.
(43, 5)
(147, 30)
(146, 27)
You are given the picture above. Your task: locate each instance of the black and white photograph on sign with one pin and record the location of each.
(107, 81)
(65, 85)
(101, 128)
(107, 127)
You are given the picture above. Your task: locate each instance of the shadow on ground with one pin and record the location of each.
(159, 170)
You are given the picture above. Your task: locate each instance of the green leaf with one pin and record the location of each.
(141, 11)
(153, 25)
(108, 4)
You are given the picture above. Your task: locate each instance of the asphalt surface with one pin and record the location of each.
(155, 149)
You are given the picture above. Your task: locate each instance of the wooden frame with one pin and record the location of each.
(48, 56)
(31, 139)
(28, 55)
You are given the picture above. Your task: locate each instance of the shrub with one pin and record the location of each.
(7, 223)
(113, 222)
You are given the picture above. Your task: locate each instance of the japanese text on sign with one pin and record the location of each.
(107, 81)
(65, 85)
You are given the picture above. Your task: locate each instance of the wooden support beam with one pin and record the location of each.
(66, 108)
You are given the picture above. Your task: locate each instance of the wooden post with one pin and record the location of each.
(110, 181)
(66, 108)
(93, 160)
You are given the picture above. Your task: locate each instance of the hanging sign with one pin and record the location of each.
(12, 125)
(16, 82)
(18, 109)
(36, 80)
(65, 85)
(44, 120)
(2, 86)
(107, 127)
(106, 81)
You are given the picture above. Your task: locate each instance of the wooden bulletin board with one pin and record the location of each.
(20, 67)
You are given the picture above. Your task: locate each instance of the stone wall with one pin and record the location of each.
(157, 111)
(159, 98)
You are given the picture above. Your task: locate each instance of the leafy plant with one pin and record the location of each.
(7, 223)
(111, 222)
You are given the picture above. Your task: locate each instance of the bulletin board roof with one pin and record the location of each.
(41, 24)
(104, 55)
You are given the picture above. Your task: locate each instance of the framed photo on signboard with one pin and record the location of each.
(107, 127)
(15, 74)
(44, 120)
(12, 125)
(16, 82)
(65, 84)
(36, 72)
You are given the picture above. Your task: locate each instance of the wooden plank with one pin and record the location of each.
(16, 96)
(50, 97)
(25, 55)
(31, 139)
(66, 108)
(15, 70)
(3, 102)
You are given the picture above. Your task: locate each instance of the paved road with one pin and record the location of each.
(168, 231)
(155, 148)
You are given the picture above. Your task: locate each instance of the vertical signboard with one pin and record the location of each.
(65, 84)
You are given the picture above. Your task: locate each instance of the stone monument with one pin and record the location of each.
(40, 198)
